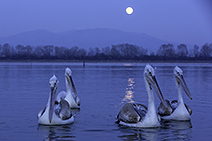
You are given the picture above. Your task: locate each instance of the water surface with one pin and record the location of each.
(103, 89)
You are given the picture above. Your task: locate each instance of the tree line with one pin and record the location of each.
(114, 52)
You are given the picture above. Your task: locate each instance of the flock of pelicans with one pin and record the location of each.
(58, 108)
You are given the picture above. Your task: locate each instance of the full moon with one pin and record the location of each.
(129, 10)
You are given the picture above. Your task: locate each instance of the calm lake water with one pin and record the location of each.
(102, 88)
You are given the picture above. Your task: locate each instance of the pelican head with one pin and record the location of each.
(53, 84)
(68, 75)
(149, 74)
(68, 72)
(178, 73)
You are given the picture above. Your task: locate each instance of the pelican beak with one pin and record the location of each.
(180, 79)
(52, 103)
(71, 82)
(153, 82)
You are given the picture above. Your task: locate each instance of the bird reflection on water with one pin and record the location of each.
(51, 133)
(180, 130)
(178, 125)
(147, 134)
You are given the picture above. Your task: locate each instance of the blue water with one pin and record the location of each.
(102, 88)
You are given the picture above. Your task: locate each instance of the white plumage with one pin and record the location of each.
(177, 110)
(138, 115)
(55, 113)
(72, 98)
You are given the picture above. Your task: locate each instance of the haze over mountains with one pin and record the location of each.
(84, 38)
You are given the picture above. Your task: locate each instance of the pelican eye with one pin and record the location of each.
(180, 74)
(150, 73)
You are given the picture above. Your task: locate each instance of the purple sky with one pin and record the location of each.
(182, 21)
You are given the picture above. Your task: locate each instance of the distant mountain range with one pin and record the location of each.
(100, 37)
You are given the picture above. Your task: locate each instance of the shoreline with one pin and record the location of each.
(104, 61)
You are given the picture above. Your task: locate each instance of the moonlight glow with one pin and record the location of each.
(129, 10)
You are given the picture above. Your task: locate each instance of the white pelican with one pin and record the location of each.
(177, 110)
(138, 115)
(72, 98)
(55, 113)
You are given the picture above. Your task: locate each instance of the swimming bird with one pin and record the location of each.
(55, 113)
(138, 115)
(177, 110)
(72, 98)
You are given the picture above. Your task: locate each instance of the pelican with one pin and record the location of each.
(177, 110)
(138, 115)
(72, 98)
(55, 113)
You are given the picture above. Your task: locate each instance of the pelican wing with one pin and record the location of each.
(132, 113)
(65, 111)
(163, 111)
(140, 109)
(174, 104)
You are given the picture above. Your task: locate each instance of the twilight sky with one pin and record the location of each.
(182, 21)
